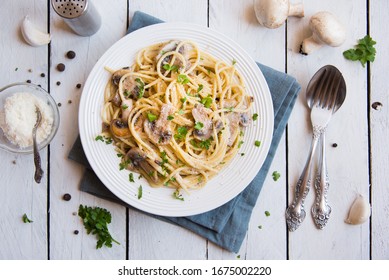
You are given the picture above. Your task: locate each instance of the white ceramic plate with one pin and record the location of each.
(231, 180)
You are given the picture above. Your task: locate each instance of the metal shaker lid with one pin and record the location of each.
(69, 8)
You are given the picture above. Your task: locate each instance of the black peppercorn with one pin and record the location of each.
(76, 232)
(71, 54)
(61, 67)
(58, 83)
(78, 86)
(334, 145)
(28, 81)
(67, 197)
(43, 75)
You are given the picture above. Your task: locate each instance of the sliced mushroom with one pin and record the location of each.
(233, 127)
(132, 87)
(119, 128)
(116, 100)
(138, 162)
(244, 119)
(201, 115)
(229, 103)
(168, 47)
(117, 75)
(159, 130)
(126, 106)
(172, 46)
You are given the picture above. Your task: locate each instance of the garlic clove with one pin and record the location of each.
(359, 211)
(33, 35)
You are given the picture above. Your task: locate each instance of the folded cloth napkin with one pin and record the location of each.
(227, 225)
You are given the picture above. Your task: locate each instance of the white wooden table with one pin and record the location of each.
(359, 163)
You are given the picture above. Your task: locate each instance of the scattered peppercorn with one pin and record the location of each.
(58, 83)
(14, 162)
(30, 70)
(59, 104)
(334, 145)
(376, 105)
(71, 54)
(76, 232)
(69, 102)
(78, 86)
(43, 75)
(39, 86)
(28, 81)
(67, 197)
(61, 67)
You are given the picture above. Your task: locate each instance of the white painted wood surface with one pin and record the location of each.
(357, 165)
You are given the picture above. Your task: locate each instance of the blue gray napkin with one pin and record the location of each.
(227, 225)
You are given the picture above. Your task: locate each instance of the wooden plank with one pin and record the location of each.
(20, 193)
(379, 122)
(348, 163)
(150, 238)
(66, 174)
(236, 19)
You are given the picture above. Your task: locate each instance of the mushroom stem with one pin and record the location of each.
(296, 10)
(310, 44)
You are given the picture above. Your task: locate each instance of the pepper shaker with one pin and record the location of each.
(80, 15)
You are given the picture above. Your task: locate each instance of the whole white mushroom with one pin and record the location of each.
(273, 13)
(326, 30)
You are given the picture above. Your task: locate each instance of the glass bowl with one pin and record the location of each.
(40, 94)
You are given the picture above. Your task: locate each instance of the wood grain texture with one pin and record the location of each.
(66, 174)
(348, 163)
(20, 193)
(379, 128)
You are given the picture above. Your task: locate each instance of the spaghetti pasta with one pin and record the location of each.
(176, 115)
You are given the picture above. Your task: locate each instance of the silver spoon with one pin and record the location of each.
(37, 158)
(321, 95)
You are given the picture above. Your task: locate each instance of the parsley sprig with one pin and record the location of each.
(95, 221)
(363, 52)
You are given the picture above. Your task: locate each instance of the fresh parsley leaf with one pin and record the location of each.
(170, 117)
(177, 195)
(124, 164)
(183, 99)
(140, 192)
(276, 175)
(199, 125)
(260, 227)
(96, 221)
(172, 179)
(168, 67)
(205, 144)
(141, 87)
(240, 144)
(206, 101)
(257, 143)
(26, 219)
(181, 133)
(241, 154)
(233, 62)
(131, 177)
(182, 79)
(124, 106)
(255, 117)
(119, 155)
(151, 117)
(99, 138)
(267, 213)
(364, 51)
(200, 88)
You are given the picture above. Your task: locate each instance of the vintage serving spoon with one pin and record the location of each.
(37, 158)
(325, 93)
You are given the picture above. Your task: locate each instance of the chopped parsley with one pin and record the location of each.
(183, 99)
(233, 62)
(242, 154)
(257, 143)
(206, 101)
(276, 175)
(199, 125)
(96, 221)
(26, 219)
(182, 79)
(255, 117)
(240, 144)
(141, 86)
(181, 112)
(200, 88)
(151, 117)
(181, 133)
(131, 177)
(170, 117)
(126, 93)
(260, 227)
(124, 106)
(364, 51)
(177, 195)
(205, 144)
(119, 155)
(230, 109)
(140, 192)
(172, 179)
(124, 164)
(267, 213)
(101, 138)
(168, 67)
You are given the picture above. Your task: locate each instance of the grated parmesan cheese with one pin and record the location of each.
(19, 118)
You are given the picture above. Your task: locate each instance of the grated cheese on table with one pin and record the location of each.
(19, 118)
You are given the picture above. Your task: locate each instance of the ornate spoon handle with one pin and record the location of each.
(321, 210)
(37, 158)
(295, 213)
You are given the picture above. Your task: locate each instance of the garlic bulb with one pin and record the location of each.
(32, 35)
(359, 211)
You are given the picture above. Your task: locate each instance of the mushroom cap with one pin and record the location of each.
(328, 29)
(271, 13)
